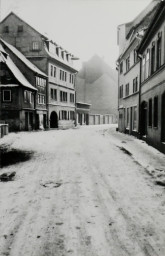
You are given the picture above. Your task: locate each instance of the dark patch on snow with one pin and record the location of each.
(125, 151)
(59, 223)
(160, 182)
(13, 156)
(51, 184)
(8, 176)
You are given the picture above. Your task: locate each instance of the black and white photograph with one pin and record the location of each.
(82, 127)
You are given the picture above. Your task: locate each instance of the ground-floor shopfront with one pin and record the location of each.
(62, 117)
(152, 116)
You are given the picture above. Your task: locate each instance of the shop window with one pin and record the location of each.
(150, 113)
(135, 118)
(156, 111)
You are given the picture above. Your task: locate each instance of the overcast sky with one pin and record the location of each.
(83, 27)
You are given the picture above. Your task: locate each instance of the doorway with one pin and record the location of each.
(53, 120)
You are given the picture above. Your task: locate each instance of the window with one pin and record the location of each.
(127, 89)
(121, 91)
(128, 117)
(135, 85)
(70, 78)
(53, 94)
(135, 55)
(150, 113)
(30, 97)
(41, 99)
(20, 28)
(57, 51)
(63, 96)
(72, 97)
(40, 81)
(6, 95)
(35, 46)
(6, 29)
(71, 115)
(156, 111)
(64, 115)
(25, 96)
(54, 71)
(159, 45)
(128, 63)
(121, 67)
(147, 64)
(65, 76)
(143, 67)
(153, 58)
(51, 70)
(135, 118)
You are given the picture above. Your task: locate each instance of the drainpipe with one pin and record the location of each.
(139, 123)
(75, 82)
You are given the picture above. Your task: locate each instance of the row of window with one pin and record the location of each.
(28, 96)
(59, 51)
(66, 115)
(151, 61)
(127, 62)
(63, 76)
(63, 96)
(41, 99)
(19, 29)
(40, 82)
(127, 88)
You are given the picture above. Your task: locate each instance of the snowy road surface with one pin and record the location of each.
(82, 194)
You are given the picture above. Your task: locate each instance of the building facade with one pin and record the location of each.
(17, 95)
(37, 79)
(152, 91)
(129, 38)
(53, 60)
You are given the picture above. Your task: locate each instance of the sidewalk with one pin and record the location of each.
(148, 157)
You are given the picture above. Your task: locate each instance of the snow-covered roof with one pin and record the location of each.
(29, 64)
(56, 57)
(13, 68)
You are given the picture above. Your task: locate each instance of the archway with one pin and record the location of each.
(163, 118)
(143, 123)
(53, 120)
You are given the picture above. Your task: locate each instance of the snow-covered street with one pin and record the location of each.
(89, 191)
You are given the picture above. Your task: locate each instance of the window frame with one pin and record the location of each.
(4, 95)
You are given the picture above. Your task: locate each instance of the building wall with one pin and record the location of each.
(128, 103)
(21, 40)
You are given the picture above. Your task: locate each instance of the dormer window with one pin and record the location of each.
(57, 51)
(20, 28)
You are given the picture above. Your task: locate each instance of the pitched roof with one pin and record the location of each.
(140, 23)
(13, 68)
(159, 15)
(44, 35)
(29, 64)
